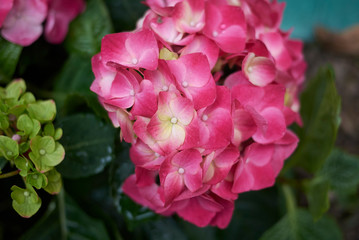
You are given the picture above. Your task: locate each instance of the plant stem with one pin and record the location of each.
(9, 174)
(62, 214)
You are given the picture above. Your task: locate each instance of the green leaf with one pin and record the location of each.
(87, 30)
(24, 123)
(77, 224)
(9, 56)
(4, 121)
(8, 148)
(23, 164)
(89, 145)
(27, 98)
(304, 229)
(72, 87)
(25, 201)
(58, 134)
(30, 127)
(54, 184)
(46, 153)
(341, 170)
(15, 89)
(36, 179)
(320, 107)
(43, 111)
(49, 130)
(318, 198)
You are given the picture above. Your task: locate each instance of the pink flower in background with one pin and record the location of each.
(61, 13)
(5, 8)
(204, 91)
(21, 21)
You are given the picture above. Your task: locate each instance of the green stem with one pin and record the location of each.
(291, 206)
(9, 174)
(62, 214)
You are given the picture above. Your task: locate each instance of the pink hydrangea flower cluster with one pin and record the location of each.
(204, 90)
(21, 20)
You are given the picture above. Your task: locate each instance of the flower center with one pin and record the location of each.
(42, 152)
(214, 33)
(205, 117)
(26, 193)
(174, 120)
(134, 61)
(180, 170)
(132, 93)
(165, 88)
(184, 84)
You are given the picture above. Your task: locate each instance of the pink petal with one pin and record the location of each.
(275, 44)
(223, 218)
(258, 154)
(161, 78)
(243, 178)
(275, 128)
(143, 156)
(201, 44)
(172, 186)
(259, 70)
(145, 100)
(200, 210)
(131, 49)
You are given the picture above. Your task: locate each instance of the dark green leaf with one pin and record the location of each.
(86, 31)
(304, 228)
(320, 107)
(164, 229)
(3, 162)
(255, 212)
(125, 13)
(78, 225)
(9, 56)
(318, 199)
(89, 145)
(341, 170)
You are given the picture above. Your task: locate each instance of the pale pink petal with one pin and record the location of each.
(189, 15)
(23, 24)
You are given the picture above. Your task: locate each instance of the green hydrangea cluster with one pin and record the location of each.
(29, 142)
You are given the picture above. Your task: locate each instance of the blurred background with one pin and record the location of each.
(330, 30)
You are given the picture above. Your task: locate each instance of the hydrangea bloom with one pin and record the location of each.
(21, 20)
(204, 90)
